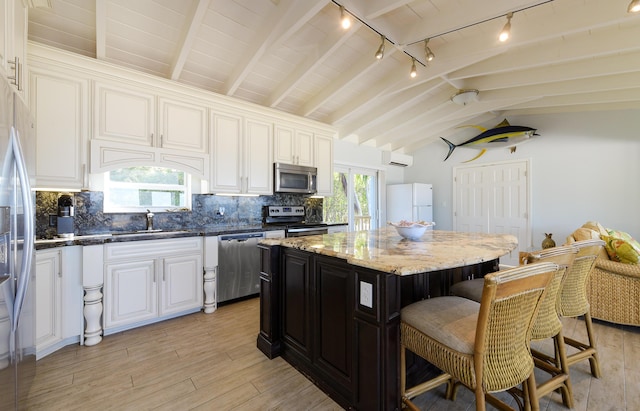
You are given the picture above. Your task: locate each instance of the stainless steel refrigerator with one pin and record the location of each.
(410, 202)
(17, 236)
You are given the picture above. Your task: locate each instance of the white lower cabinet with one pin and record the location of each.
(59, 293)
(149, 281)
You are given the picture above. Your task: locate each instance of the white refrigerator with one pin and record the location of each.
(410, 202)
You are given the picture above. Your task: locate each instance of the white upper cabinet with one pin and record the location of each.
(241, 159)
(125, 115)
(131, 115)
(13, 42)
(183, 125)
(226, 152)
(59, 104)
(293, 145)
(258, 161)
(323, 151)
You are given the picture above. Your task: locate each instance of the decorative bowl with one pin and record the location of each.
(412, 230)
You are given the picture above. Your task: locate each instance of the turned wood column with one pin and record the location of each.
(210, 274)
(92, 283)
(92, 314)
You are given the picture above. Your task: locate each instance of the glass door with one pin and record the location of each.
(355, 198)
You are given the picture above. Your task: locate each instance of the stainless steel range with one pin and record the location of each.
(292, 220)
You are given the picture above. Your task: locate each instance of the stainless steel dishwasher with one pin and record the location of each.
(238, 266)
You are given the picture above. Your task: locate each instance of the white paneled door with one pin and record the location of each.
(494, 198)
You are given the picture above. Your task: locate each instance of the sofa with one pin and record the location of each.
(614, 285)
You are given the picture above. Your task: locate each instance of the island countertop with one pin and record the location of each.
(385, 250)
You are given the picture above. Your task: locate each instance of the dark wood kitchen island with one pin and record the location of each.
(330, 304)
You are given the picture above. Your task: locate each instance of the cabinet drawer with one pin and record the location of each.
(152, 248)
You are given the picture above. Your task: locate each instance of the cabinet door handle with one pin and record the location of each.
(161, 140)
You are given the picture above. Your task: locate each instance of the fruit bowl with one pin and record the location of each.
(412, 230)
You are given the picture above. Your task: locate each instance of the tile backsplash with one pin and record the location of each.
(238, 211)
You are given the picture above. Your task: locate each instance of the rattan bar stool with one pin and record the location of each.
(547, 323)
(573, 301)
(483, 346)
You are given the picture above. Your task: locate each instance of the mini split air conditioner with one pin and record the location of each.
(396, 159)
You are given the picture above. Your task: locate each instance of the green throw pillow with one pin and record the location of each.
(620, 250)
(626, 237)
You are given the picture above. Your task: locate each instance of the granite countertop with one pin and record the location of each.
(385, 250)
(116, 237)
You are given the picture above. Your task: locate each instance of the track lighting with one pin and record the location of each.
(506, 30)
(344, 19)
(380, 52)
(414, 72)
(428, 54)
(634, 6)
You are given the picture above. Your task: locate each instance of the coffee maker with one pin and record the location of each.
(65, 216)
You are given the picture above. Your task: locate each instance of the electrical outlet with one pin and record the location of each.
(366, 294)
(53, 220)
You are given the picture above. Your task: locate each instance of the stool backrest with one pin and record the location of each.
(547, 322)
(510, 302)
(573, 293)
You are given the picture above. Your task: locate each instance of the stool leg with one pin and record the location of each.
(593, 360)
(561, 358)
(403, 371)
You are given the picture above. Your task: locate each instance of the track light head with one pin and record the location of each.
(634, 6)
(380, 52)
(506, 30)
(428, 54)
(345, 20)
(413, 72)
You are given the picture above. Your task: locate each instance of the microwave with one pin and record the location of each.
(291, 178)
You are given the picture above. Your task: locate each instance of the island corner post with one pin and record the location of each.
(339, 323)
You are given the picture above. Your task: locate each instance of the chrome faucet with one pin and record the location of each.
(149, 220)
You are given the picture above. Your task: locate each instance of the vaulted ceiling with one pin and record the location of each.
(294, 56)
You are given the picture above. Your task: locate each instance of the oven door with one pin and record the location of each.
(301, 232)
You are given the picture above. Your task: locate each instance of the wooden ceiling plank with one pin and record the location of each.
(101, 29)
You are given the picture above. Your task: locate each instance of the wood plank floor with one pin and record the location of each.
(210, 362)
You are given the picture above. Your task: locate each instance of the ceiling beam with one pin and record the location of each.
(188, 36)
(558, 50)
(408, 119)
(285, 19)
(389, 108)
(310, 63)
(355, 72)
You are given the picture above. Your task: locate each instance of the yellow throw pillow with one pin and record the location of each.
(620, 250)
